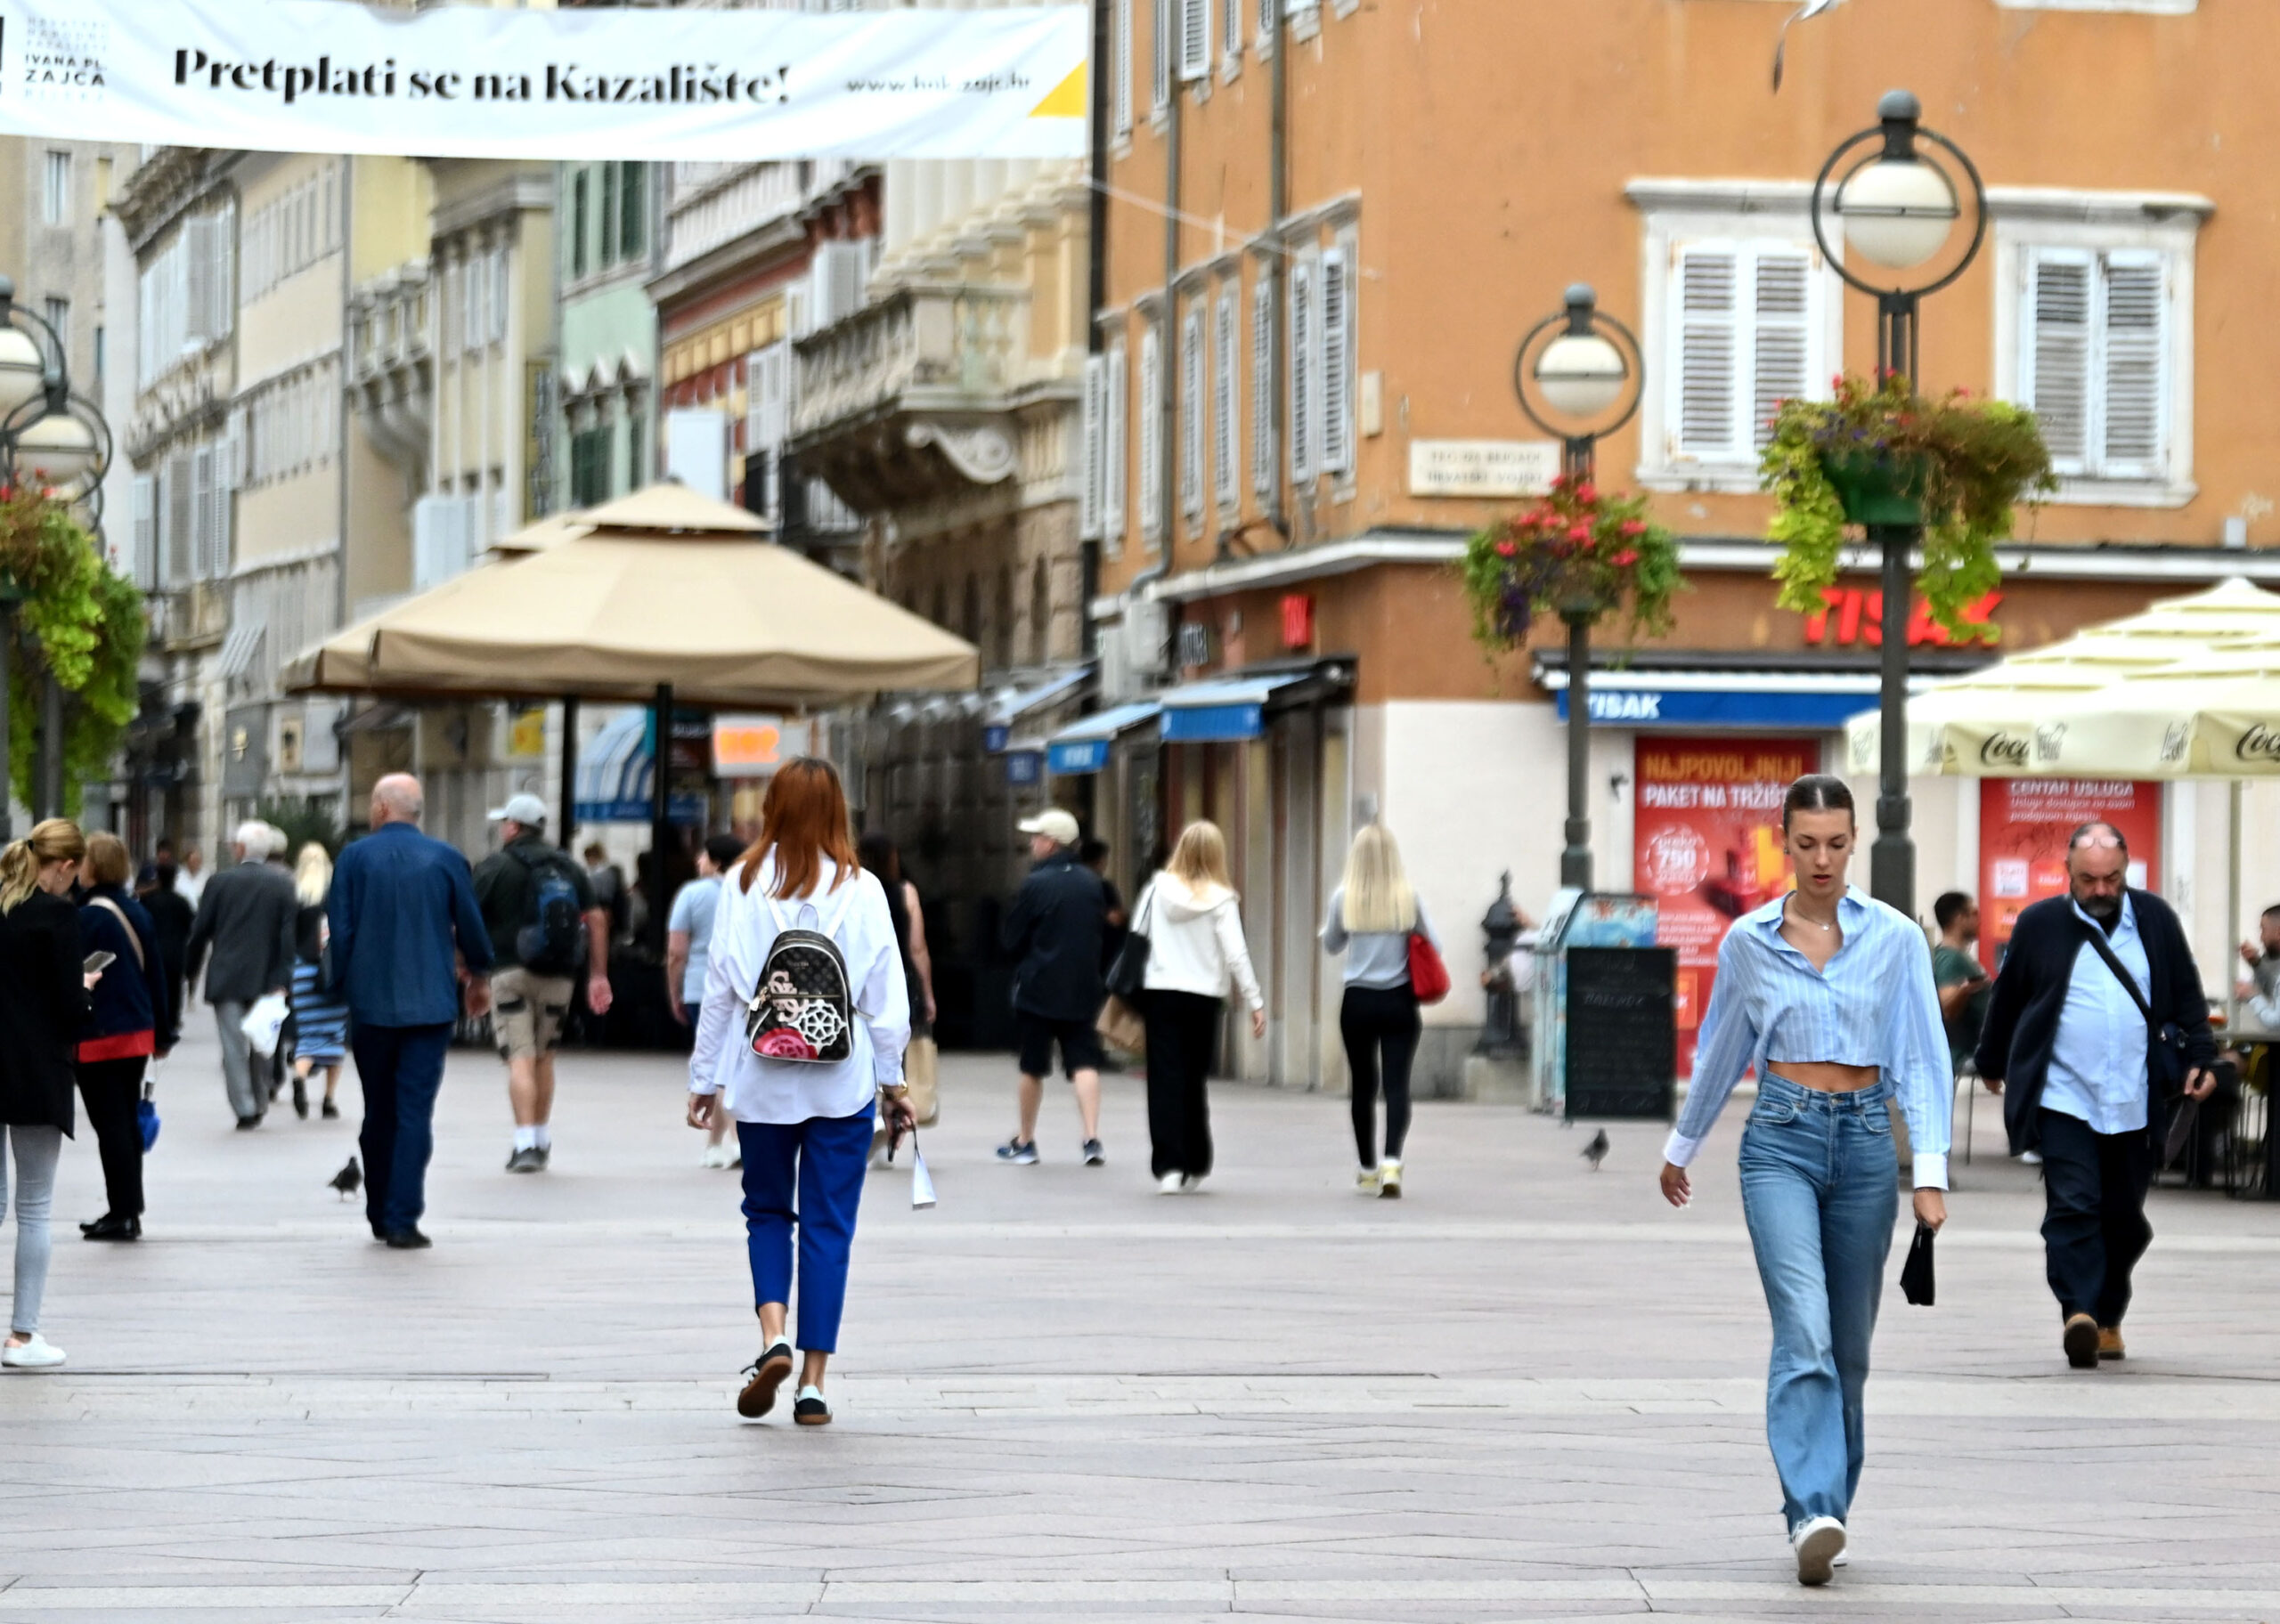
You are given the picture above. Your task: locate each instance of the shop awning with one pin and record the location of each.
(615, 769)
(1222, 709)
(1013, 704)
(1083, 747)
(1721, 699)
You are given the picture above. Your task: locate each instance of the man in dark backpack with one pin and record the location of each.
(545, 928)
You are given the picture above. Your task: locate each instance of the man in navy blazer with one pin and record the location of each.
(406, 933)
(2092, 1079)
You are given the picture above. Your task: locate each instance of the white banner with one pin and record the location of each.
(469, 81)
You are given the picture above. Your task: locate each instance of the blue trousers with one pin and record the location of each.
(401, 1069)
(822, 1161)
(1819, 1190)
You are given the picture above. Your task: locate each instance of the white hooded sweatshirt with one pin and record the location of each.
(1195, 940)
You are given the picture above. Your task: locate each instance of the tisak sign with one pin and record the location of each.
(471, 81)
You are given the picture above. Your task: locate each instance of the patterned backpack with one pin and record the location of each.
(803, 1008)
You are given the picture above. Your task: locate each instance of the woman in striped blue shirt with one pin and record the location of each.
(1828, 995)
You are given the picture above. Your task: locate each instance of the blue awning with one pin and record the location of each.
(1222, 709)
(615, 776)
(1082, 747)
(1817, 700)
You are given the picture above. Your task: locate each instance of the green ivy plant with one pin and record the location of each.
(78, 619)
(1576, 550)
(1966, 463)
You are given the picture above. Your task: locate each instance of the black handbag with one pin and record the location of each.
(1129, 975)
(2166, 1063)
(1916, 1273)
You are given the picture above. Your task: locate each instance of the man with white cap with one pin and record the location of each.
(245, 920)
(1053, 933)
(545, 925)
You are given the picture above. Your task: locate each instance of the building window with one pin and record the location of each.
(1150, 407)
(609, 214)
(55, 194)
(1113, 478)
(1161, 62)
(2094, 332)
(1231, 38)
(1304, 358)
(1226, 431)
(58, 313)
(1040, 613)
(1262, 384)
(579, 188)
(637, 449)
(589, 467)
(1336, 370)
(632, 211)
(1192, 422)
(1195, 40)
(1092, 478)
(1120, 43)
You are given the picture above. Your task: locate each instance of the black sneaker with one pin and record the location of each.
(1013, 1153)
(811, 1408)
(331, 1112)
(407, 1240)
(525, 1160)
(1096, 1155)
(766, 1373)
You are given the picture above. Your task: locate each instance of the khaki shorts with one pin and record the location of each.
(527, 1011)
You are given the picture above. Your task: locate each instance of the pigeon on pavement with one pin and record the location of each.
(1596, 1151)
(350, 1179)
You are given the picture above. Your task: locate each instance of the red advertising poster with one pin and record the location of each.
(2024, 827)
(1708, 847)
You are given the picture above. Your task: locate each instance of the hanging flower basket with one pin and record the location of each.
(1576, 554)
(1881, 454)
(76, 620)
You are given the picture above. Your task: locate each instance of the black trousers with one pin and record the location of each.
(1380, 1022)
(1183, 1031)
(113, 1091)
(2094, 1227)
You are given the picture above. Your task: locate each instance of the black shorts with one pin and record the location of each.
(1080, 1044)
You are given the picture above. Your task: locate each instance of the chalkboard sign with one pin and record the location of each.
(1622, 1032)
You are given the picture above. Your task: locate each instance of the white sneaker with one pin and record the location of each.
(1844, 1558)
(1817, 1543)
(37, 1354)
(715, 1155)
(1389, 1179)
(1171, 1183)
(1365, 1182)
(1191, 1182)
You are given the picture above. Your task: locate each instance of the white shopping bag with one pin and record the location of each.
(922, 1188)
(263, 1022)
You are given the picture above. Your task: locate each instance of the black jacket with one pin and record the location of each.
(246, 916)
(2031, 991)
(42, 1012)
(172, 915)
(1053, 933)
(135, 994)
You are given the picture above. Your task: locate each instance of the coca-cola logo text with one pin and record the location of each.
(2259, 744)
(2003, 750)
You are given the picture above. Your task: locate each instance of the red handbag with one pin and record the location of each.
(1429, 978)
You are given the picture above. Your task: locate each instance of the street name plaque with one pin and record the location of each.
(1622, 1032)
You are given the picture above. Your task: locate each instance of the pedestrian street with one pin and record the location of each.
(1525, 1391)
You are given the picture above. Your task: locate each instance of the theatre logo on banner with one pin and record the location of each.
(470, 81)
(1708, 847)
(2023, 826)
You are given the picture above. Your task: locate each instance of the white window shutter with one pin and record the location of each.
(1231, 40)
(1165, 47)
(1781, 339)
(2134, 368)
(1191, 412)
(202, 513)
(1120, 44)
(1262, 384)
(1119, 414)
(1337, 362)
(143, 569)
(1195, 40)
(1093, 439)
(1304, 359)
(224, 243)
(1267, 14)
(197, 276)
(1705, 380)
(848, 273)
(177, 510)
(2056, 378)
(1227, 486)
(1149, 408)
(501, 288)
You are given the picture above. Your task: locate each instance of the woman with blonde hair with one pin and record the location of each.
(320, 1016)
(133, 1020)
(1193, 922)
(43, 1014)
(804, 958)
(1372, 913)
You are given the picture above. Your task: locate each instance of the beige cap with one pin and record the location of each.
(1058, 826)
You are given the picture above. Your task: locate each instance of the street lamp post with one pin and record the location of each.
(1585, 372)
(1899, 189)
(60, 441)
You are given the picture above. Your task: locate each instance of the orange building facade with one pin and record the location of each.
(1329, 226)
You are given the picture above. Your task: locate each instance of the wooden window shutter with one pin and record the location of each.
(1782, 340)
(1708, 321)
(1161, 65)
(1149, 408)
(1119, 414)
(1191, 412)
(1120, 44)
(2057, 376)
(1303, 360)
(1226, 484)
(1093, 438)
(1337, 362)
(1194, 39)
(2134, 369)
(1262, 383)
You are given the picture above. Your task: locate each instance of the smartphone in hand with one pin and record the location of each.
(98, 962)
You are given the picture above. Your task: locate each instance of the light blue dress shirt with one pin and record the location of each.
(2098, 1061)
(1874, 1005)
(693, 909)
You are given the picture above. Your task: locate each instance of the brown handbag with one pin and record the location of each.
(1121, 1025)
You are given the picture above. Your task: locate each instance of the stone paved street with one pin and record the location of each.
(1526, 1392)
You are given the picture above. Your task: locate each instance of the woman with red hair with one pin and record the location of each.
(804, 950)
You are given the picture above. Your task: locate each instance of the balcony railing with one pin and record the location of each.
(198, 612)
(935, 348)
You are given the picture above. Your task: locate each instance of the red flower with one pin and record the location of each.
(1634, 527)
(1580, 533)
(1587, 492)
(1505, 549)
(1625, 559)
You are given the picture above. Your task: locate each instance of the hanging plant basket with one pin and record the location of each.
(76, 620)
(1576, 554)
(1881, 454)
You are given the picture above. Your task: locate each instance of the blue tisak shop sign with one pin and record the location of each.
(1721, 707)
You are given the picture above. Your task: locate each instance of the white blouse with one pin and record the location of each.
(854, 916)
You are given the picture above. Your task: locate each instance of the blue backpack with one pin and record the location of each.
(552, 940)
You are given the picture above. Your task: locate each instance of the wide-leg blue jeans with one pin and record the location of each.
(1819, 1190)
(807, 1176)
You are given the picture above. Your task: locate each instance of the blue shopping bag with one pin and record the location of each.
(146, 1118)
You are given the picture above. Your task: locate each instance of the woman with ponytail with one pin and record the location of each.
(43, 1013)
